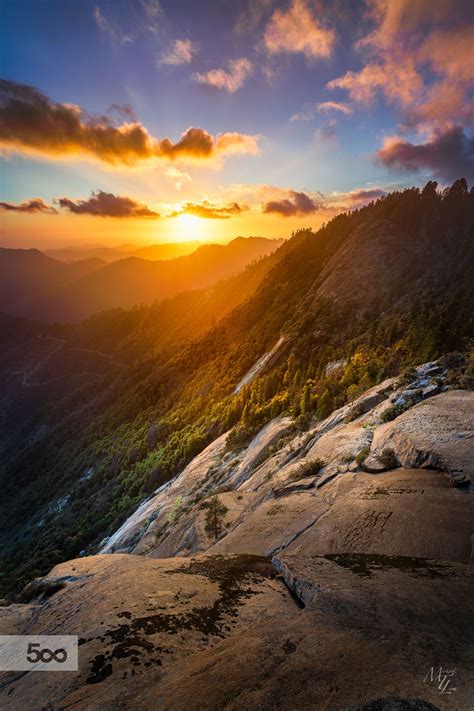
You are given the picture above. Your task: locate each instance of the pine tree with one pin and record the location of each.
(216, 511)
(324, 405)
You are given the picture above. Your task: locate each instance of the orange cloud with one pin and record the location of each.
(408, 38)
(30, 206)
(31, 123)
(397, 82)
(298, 31)
(231, 80)
(102, 204)
(210, 211)
(181, 52)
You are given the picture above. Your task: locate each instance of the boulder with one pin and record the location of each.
(436, 433)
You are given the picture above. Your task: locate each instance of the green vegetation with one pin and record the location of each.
(389, 459)
(215, 513)
(307, 469)
(176, 510)
(362, 455)
(136, 426)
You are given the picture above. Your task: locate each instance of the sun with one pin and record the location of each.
(189, 227)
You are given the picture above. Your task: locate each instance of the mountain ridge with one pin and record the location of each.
(137, 427)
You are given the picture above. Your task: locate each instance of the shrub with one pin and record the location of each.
(362, 455)
(176, 510)
(353, 414)
(407, 376)
(307, 469)
(389, 459)
(394, 411)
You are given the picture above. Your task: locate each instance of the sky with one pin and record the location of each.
(154, 121)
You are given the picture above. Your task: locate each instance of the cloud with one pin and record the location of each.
(180, 176)
(298, 31)
(123, 110)
(144, 16)
(285, 202)
(181, 52)
(327, 133)
(398, 82)
(409, 38)
(404, 17)
(210, 211)
(448, 154)
(296, 204)
(238, 72)
(252, 15)
(358, 198)
(327, 106)
(31, 123)
(102, 204)
(310, 110)
(103, 24)
(34, 205)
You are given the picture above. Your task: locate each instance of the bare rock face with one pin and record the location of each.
(402, 512)
(273, 524)
(436, 433)
(233, 632)
(330, 587)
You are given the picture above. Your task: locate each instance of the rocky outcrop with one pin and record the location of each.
(437, 433)
(404, 512)
(330, 587)
(316, 488)
(211, 633)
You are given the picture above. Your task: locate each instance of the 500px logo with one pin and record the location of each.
(38, 653)
(45, 655)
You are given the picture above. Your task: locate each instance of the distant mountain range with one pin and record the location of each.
(112, 254)
(34, 285)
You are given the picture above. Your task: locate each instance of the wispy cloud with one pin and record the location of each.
(209, 210)
(32, 124)
(181, 52)
(297, 30)
(179, 176)
(230, 79)
(145, 16)
(310, 111)
(35, 205)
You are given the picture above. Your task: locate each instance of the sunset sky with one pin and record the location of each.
(147, 121)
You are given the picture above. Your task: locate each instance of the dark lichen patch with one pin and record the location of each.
(382, 492)
(100, 670)
(289, 647)
(365, 564)
(234, 577)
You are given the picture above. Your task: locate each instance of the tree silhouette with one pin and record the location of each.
(216, 511)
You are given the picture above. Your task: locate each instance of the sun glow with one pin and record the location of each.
(190, 227)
